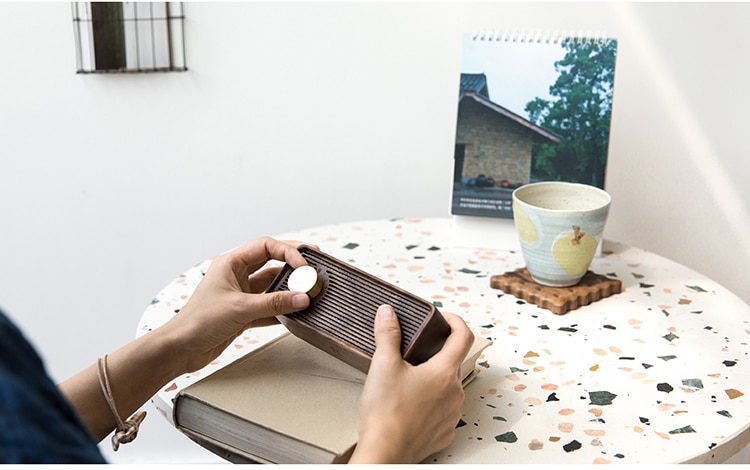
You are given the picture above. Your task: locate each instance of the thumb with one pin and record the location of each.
(387, 332)
(272, 304)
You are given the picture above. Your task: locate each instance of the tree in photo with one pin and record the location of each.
(580, 115)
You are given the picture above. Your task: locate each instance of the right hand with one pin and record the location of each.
(407, 412)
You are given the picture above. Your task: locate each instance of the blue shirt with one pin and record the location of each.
(37, 424)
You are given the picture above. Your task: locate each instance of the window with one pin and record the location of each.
(129, 37)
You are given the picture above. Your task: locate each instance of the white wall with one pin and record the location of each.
(111, 185)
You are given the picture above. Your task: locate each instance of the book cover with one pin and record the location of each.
(531, 107)
(286, 402)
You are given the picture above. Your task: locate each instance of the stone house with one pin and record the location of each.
(492, 140)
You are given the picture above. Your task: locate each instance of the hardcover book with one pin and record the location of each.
(286, 402)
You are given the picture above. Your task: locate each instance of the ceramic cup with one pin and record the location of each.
(560, 226)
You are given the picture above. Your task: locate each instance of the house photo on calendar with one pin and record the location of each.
(531, 108)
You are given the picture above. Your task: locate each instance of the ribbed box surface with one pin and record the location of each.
(340, 319)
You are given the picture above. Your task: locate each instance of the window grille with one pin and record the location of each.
(128, 37)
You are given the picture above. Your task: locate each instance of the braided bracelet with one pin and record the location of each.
(126, 431)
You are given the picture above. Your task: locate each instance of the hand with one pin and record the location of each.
(410, 412)
(230, 299)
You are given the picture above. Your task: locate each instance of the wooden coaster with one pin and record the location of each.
(559, 300)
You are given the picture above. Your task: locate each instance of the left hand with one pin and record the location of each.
(230, 299)
(406, 412)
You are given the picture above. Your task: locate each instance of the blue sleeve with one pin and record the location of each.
(37, 424)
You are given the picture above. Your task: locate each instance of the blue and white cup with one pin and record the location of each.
(560, 226)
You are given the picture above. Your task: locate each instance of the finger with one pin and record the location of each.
(459, 341)
(298, 243)
(251, 256)
(295, 260)
(287, 251)
(259, 281)
(387, 332)
(275, 303)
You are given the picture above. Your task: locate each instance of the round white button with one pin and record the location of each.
(305, 279)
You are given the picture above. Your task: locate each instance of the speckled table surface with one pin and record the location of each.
(655, 374)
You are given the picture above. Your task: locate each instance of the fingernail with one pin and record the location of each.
(385, 312)
(300, 301)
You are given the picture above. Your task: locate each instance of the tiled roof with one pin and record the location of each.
(475, 82)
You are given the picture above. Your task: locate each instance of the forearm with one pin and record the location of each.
(229, 299)
(136, 372)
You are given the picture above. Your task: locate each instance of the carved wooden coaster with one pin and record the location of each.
(559, 300)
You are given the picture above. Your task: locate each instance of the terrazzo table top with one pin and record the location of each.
(655, 374)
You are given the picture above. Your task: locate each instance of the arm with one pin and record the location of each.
(410, 412)
(227, 301)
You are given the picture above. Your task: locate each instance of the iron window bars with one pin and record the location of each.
(129, 37)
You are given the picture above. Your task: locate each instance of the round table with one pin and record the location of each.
(654, 374)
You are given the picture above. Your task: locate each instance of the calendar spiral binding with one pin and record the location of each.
(543, 37)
